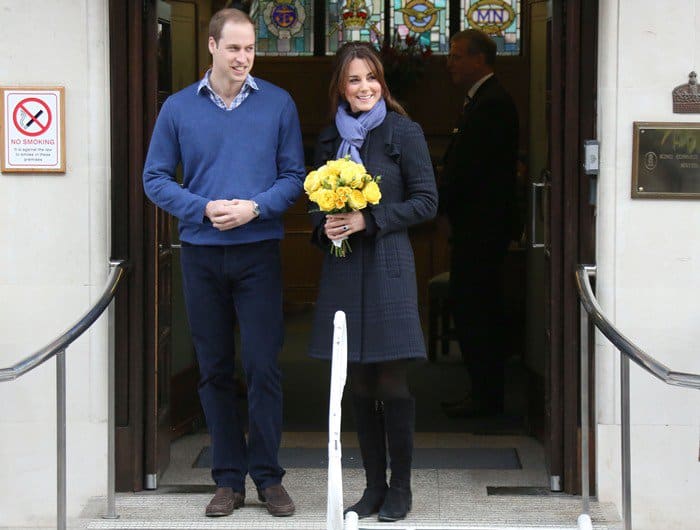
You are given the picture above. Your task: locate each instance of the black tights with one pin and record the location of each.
(381, 381)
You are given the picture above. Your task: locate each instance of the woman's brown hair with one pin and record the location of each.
(343, 57)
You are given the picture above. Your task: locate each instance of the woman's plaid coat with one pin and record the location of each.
(376, 283)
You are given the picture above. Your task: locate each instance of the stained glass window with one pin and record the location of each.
(284, 27)
(425, 19)
(353, 20)
(499, 18)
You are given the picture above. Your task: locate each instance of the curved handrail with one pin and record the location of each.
(622, 343)
(119, 269)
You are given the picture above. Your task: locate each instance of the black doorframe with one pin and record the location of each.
(133, 110)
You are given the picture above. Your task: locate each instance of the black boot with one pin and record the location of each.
(399, 416)
(370, 434)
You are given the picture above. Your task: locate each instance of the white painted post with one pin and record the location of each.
(584, 522)
(339, 366)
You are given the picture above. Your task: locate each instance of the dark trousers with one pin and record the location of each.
(223, 285)
(477, 303)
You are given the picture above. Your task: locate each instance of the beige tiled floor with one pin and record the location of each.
(443, 498)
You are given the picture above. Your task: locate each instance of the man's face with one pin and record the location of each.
(465, 69)
(234, 54)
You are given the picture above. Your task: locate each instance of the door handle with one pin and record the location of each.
(533, 217)
(165, 246)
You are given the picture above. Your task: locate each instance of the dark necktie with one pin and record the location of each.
(467, 102)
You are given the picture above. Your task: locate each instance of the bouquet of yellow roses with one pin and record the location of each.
(342, 186)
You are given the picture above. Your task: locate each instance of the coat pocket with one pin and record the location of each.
(391, 257)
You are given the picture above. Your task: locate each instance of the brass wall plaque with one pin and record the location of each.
(666, 160)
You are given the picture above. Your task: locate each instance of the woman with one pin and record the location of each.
(375, 284)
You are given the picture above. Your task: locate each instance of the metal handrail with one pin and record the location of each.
(591, 312)
(622, 343)
(119, 269)
(57, 348)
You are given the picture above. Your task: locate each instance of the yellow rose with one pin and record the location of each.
(336, 166)
(351, 171)
(358, 180)
(359, 168)
(330, 181)
(343, 192)
(312, 182)
(357, 201)
(324, 198)
(326, 172)
(347, 174)
(371, 192)
(339, 201)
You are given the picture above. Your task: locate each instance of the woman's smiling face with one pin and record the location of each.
(362, 90)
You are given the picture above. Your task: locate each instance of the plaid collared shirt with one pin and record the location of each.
(248, 85)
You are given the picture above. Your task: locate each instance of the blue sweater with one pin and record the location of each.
(252, 152)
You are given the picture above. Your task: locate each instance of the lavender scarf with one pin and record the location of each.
(353, 130)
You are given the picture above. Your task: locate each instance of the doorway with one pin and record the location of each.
(153, 393)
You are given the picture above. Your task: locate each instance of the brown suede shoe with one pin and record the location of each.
(224, 502)
(277, 500)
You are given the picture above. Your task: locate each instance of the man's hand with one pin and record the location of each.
(225, 215)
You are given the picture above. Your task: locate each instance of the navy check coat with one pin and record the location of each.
(376, 283)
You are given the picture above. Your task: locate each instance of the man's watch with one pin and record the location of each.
(256, 209)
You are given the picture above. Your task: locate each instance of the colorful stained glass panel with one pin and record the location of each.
(284, 27)
(499, 18)
(353, 20)
(425, 19)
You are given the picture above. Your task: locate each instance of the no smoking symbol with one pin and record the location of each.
(32, 117)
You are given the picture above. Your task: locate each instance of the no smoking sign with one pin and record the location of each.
(32, 130)
(34, 122)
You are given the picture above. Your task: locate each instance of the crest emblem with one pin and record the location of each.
(284, 18)
(420, 15)
(491, 16)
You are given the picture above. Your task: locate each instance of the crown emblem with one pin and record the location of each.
(355, 14)
(686, 98)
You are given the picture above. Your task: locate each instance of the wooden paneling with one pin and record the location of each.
(301, 261)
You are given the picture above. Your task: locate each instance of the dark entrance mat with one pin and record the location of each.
(468, 458)
(518, 490)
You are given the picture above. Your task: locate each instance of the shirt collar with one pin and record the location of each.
(477, 85)
(248, 84)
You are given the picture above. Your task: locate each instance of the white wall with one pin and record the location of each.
(54, 253)
(648, 265)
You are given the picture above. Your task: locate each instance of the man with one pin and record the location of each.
(239, 142)
(478, 194)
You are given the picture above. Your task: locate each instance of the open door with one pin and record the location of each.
(158, 361)
(172, 403)
(537, 234)
(569, 225)
(156, 387)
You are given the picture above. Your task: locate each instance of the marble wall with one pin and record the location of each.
(54, 260)
(648, 259)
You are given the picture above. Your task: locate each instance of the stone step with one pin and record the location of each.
(449, 512)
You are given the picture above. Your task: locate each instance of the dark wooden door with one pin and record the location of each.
(159, 268)
(185, 411)
(141, 234)
(133, 106)
(571, 226)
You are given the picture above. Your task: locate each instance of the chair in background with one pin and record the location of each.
(440, 331)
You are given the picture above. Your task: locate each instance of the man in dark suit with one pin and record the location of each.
(478, 194)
